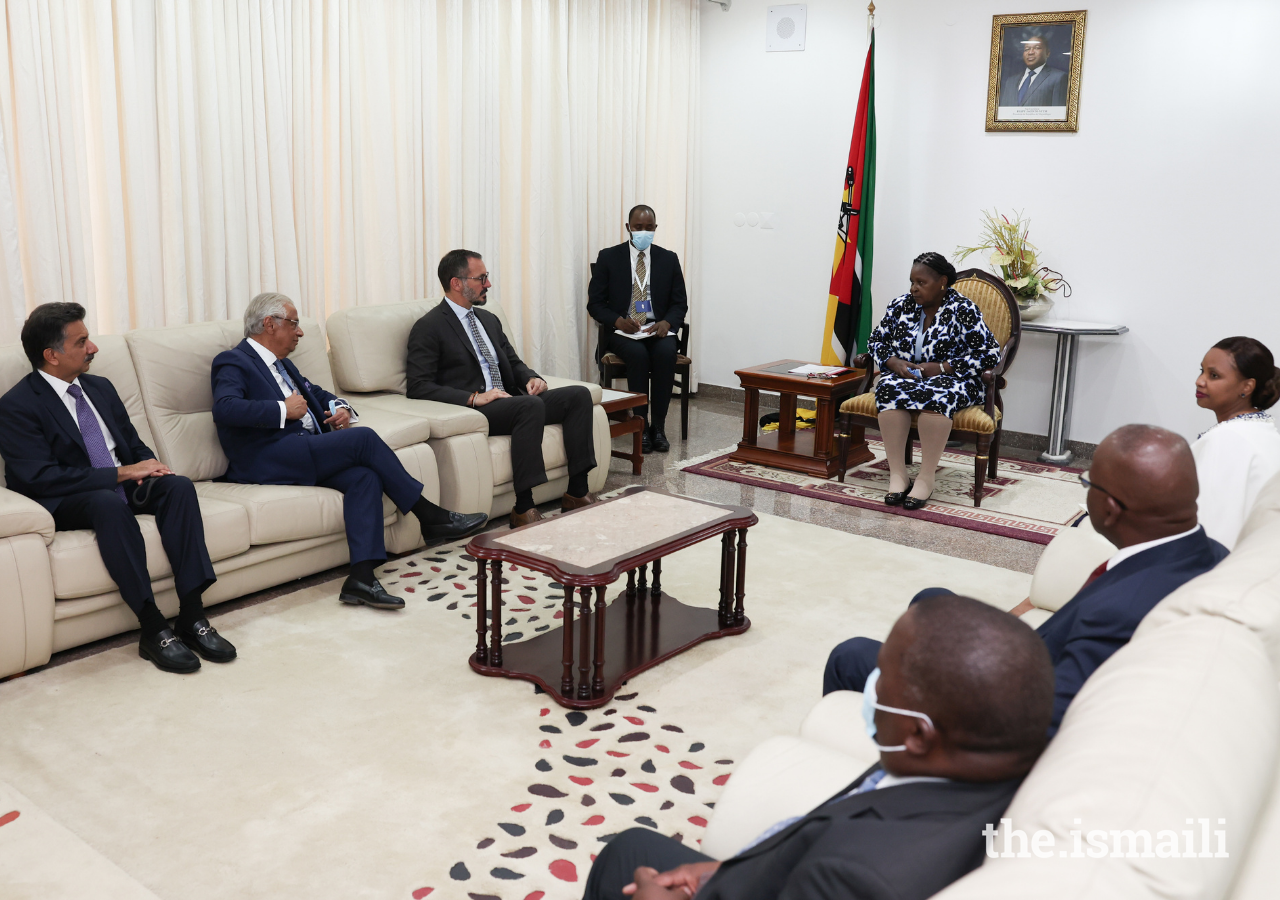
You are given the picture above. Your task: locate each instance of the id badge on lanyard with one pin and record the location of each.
(646, 305)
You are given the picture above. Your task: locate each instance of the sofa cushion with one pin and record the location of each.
(22, 515)
(447, 419)
(552, 453)
(367, 344)
(1066, 564)
(397, 430)
(174, 366)
(287, 512)
(1180, 723)
(77, 565)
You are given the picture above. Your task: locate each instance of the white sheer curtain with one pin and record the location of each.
(162, 161)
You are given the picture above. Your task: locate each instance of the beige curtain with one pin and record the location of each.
(162, 161)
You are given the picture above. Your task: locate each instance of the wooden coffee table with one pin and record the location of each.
(812, 451)
(585, 550)
(618, 406)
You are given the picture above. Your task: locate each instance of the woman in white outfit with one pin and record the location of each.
(1237, 456)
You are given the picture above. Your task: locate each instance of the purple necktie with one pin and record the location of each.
(94, 442)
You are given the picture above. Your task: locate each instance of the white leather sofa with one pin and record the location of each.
(367, 346)
(1182, 723)
(54, 591)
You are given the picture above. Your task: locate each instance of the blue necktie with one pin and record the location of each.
(284, 374)
(94, 442)
(869, 783)
(1026, 86)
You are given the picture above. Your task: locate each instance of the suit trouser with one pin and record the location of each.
(523, 417)
(635, 847)
(358, 463)
(853, 660)
(173, 502)
(651, 370)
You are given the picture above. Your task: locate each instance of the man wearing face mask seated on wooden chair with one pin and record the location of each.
(960, 708)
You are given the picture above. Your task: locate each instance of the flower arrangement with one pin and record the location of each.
(1014, 259)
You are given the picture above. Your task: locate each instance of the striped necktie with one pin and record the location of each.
(495, 374)
(94, 442)
(638, 292)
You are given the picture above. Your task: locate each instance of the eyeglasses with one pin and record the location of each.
(480, 278)
(293, 322)
(1084, 479)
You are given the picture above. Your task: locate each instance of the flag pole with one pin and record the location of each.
(871, 18)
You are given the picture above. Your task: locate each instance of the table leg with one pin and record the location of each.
(657, 578)
(637, 451)
(566, 678)
(631, 585)
(482, 596)
(584, 648)
(751, 416)
(597, 683)
(786, 416)
(1064, 375)
(738, 615)
(495, 639)
(823, 428)
(727, 553)
(643, 587)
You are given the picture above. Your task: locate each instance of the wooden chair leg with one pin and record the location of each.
(844, 425)
(995, 455)
(908, 454)
(684, 406)
(980, 467)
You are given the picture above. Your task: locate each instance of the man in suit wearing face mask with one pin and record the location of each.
(637, 287)
(959, 707)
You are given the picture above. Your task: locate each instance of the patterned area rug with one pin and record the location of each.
(586, 775)
(1026, 500)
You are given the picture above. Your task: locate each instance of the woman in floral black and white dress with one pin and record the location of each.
(931, 348)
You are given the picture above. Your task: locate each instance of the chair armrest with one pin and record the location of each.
(597, 395)
(22, 515)
(864, 361)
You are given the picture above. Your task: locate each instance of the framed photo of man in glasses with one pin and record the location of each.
(1034, 81)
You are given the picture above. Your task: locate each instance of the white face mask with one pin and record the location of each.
(869, 707)
(642, 239)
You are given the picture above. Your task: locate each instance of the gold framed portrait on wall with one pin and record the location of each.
(1036, 60)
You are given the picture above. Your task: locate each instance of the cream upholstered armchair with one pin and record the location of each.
(980, 425)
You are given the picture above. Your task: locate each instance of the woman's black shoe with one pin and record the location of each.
(914, 502)
(896, 498)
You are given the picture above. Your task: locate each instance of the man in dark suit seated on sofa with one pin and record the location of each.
(635, 287)
(959, 707)
(68, 444)
(459, 354)
(276, 427)
(1142, 491)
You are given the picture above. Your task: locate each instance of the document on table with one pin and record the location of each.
(817, 370)
(639, 335)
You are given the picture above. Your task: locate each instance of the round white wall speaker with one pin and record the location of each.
(753, 220)
(786, 27)
(739, 219)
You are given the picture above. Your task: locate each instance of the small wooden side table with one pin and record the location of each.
(618, 406)
(811, 451)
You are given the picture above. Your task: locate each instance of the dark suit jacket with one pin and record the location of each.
(1101, 618)
(905, 843)
(1049, 89)
(442, 365)
(246, 409)
(609, 291)
(44, 454)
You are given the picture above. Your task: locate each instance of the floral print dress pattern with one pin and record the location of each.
(958, 337)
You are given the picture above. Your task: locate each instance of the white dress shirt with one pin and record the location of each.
(484, 336)
(1031, 73)
(1135, 549)
(60, 387)
(648, 271)
(308, 421)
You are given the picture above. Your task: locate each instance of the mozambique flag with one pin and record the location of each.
(849, 297)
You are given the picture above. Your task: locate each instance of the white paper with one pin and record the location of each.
(639, 335)
(816, 370)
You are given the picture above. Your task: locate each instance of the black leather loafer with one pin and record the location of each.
(167, 651)
(646, 442)
(660, 442)
(459, 524)
(913, 502)
(204, 639)
(896, 498)
(374, 594)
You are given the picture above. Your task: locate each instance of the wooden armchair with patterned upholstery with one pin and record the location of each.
(980, 425)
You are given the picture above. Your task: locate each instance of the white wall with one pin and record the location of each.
(1160, 210)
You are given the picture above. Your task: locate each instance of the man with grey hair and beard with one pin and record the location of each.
(277, 427)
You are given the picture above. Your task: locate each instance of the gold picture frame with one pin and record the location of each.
(1050, 99)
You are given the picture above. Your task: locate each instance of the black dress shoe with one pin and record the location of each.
(897, 497)
(204, 639)
(372, 594)
(167, 651)
(459, 524)
(914, 502)
(646, 443)
(659, 441)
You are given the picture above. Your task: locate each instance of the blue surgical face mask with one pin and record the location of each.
(870, 705)
(641, 239)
